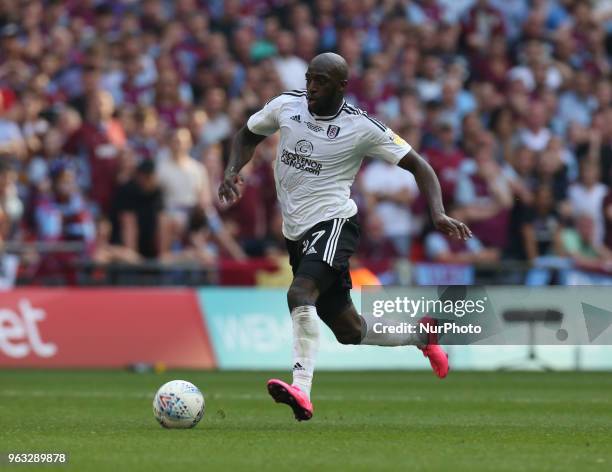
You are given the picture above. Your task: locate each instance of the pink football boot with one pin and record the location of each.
(432, 350)
(292, 396)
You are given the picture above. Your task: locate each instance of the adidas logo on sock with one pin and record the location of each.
(296, 118)
(298, 366)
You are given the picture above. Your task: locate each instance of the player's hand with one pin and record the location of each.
(228, 190)
(451, 227)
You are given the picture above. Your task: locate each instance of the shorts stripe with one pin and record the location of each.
(331, 236)
(334, 245)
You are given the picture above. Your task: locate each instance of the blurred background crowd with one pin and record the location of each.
(116, 118)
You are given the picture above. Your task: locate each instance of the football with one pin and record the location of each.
(178, 404)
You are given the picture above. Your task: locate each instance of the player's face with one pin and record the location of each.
(322, 90)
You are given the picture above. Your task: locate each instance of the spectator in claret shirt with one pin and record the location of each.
(484, 199)
(375, 245)
(247, 219)
(445, 157)
(444, 250)
(100, 139)
(171, 95)
(482, 23)
(373, 93)
(136, 89)
(493, 64)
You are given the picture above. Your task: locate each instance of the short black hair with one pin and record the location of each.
(146, 167)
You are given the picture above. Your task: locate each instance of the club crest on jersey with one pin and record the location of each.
(303, 148)
(332, 131)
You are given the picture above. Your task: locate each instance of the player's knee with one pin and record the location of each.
(350, 335)
(300, 296)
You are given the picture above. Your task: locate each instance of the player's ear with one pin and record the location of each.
(343, 84)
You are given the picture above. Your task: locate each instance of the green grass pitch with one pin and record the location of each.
(363, 421)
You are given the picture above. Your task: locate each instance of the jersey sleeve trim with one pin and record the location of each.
(256, 132)
(351, 110)
(292, 93)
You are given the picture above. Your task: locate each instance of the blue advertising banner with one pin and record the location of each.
(251, 329)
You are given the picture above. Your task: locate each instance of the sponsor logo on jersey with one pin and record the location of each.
(313, 127)
(296, 118)
(399, 140)
(332, 131)
(303, 148)
(301, 162)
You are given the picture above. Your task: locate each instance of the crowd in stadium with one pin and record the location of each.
(116, 119)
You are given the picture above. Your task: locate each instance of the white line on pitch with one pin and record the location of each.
(256, 396)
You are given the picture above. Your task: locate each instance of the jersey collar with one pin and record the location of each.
(328, 118)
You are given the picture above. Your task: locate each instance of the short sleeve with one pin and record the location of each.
(384, 144)
(266, 121)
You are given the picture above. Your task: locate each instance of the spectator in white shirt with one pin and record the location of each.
(586, 197)
(535, 135)
(186, 190)
(290, 68)
(389, 193)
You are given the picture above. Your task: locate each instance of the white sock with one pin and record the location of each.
(376, 335)
(305, 345)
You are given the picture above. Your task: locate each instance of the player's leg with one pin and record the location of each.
(301, 298)
(337, 310)
(311, 277)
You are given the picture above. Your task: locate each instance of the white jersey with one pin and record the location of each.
(318, 157)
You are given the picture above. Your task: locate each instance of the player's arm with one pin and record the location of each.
(261, 124)
(242, 149)
(429, 185)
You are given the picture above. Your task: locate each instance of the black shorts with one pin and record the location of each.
(322, 255)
